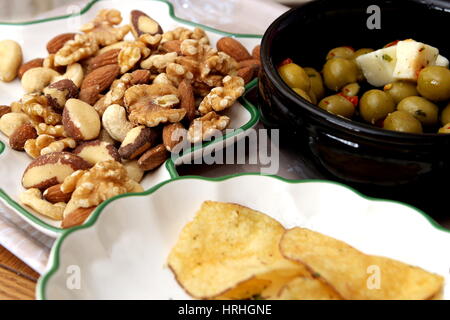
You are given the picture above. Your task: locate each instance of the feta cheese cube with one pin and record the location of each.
(378, 66)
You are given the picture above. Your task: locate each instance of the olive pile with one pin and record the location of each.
(402, 106)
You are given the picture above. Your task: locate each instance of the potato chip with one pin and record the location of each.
(355, 275)
(307, 288)
(224, 248)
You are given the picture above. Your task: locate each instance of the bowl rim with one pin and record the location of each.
(355, 127)
(55, 255)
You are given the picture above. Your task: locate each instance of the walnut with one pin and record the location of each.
(81, 47)
(183, 34)
(159, 62)
(203, 128)
(38, 109)
(33, 199)
(131, 54)
(105, 180)
(102, 27)
(59, 146)
(151, 105)
(33, 147)
(224, 97)
(162, 79)
(217, 64)
(46, 129)
(176, 73)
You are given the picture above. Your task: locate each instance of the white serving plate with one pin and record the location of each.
(121, 252)
(33, 37)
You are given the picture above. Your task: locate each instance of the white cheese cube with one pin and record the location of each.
(378, 66)
(412, 57)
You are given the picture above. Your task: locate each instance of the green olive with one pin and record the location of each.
(375, 105)
(445, 115)
(339, 72)
(421, 109)
(400, 90)
(403, 122)
(351, 90)
(434, 83)
(338, 105)
(313, 96)
(303, 94)
(362, 51)
(341, 52)
(295, 76)
(316, 82)
(445, 129)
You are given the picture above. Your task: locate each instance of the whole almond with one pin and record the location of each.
(89, 95)
(77, 217)
(97, 81)
(55, 195)
(35, 63)
(172, 135)
(104, 59)
(172, 46)
(140, 76)
(246, 73)
(18, 138)
(187, 99)
(58, 42)
(153, 158)
(233, 48)
(256, 53)
(4, 110)
(253, 63)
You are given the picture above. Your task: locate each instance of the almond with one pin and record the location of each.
(81, 121)
(187, 99)
(77, 217)
(97, 151)
(233, 48)
(35, 63)
(256, 53)
(137, 141)
(140, 77)
(142, 24)
(153, 158)
(4, 110)
(173, 135)
(246, 73)
(97, 81)
(172, 46)
(104, 59)
(51, 169)
(55, 195)
(58, 42)
(18, 138)
(90, 95)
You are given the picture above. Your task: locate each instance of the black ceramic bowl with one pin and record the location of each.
(382, 163)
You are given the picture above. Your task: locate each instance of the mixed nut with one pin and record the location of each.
(99, 111)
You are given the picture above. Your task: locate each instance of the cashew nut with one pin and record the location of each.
(11, 121)
(115, 122)
(74, 72)
(33, 199)
(10, 60)
(36, 79)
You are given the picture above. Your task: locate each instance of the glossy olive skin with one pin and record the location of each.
(375, 105)
(400, 90)
(351, 90)
(445, 115)
(338, 105)
(421, 109)
(434, 83)
(402, 121)
(303, 94)
(316, 82)
(445, 129)
(341, 52)
(295, 76)
(339, 72)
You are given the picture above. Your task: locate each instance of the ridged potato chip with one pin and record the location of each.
(349, 271)
(228, 251)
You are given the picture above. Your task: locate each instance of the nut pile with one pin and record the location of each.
(99, 111)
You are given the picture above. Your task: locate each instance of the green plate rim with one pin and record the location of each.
(55, 256)
(170, 166)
